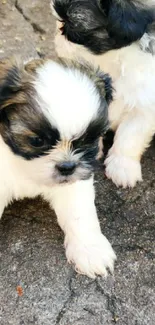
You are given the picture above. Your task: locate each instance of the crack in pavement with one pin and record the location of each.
(36, 28)
(111, 301)
(67, 302)
(64, 308)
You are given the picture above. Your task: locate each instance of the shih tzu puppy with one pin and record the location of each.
(109, 33)
(52, 114)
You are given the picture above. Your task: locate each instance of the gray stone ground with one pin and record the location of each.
(31, 243)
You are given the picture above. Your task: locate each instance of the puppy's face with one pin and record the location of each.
(51, 117)
(103, 25)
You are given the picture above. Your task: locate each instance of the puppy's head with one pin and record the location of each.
(51, 117)
(103, 25)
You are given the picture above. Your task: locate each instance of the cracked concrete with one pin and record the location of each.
(31, 243)
(26, 28)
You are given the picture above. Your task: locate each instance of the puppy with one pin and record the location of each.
(107, 33)
(52, 114)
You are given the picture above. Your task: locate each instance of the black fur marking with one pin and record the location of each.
(61, 8)
(127, 21)
(108, 89)
(107, 86)
(87, 144)
(85, 24)
(34, 124)
(103, 25)
(92, 133)
(90, 154)
(108, 141)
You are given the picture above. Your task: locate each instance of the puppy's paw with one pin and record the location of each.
(91, 257)
(123, 171)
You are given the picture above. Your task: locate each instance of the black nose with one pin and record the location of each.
(66, 168)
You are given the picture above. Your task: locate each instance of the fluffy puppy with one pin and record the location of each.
(52, 114)
(105, 33)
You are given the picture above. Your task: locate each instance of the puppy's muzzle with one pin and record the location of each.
(66, 168)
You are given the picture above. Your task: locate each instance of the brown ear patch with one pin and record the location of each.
(9, 71)
(14, 80)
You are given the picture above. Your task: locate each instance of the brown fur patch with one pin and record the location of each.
(64, 145)
(14, 82)
(32, 66)
(16, 99)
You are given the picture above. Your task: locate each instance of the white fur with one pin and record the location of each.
(86, 247)
(128, 170)
(132, 113)
(147, 43)
(72, 89)
(73, 202)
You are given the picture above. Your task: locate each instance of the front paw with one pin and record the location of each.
(91, 257)
(123, 171)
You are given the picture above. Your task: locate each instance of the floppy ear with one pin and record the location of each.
(127, 20)
(106, 82)
(11, 83)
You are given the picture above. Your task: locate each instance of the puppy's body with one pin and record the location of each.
(51, 117)
(132, 68)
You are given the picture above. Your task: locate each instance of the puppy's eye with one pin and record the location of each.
(36, 142)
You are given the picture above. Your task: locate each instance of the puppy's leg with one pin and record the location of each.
(86, 247)
(132, 137)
